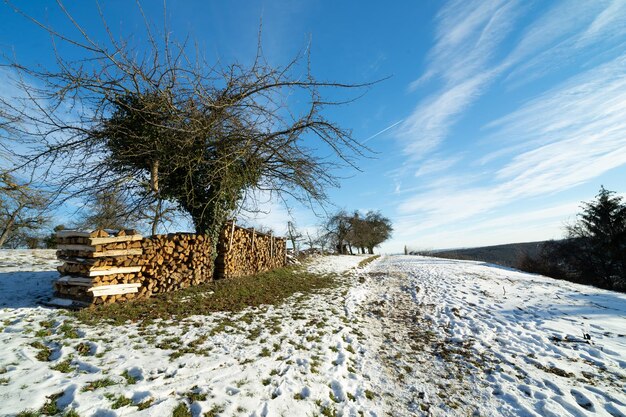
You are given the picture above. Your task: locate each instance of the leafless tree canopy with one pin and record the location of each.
(21, 209)
(349, 231)
(160, 124)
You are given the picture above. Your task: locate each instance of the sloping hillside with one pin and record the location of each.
(505, 255)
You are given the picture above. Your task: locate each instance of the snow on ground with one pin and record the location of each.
(405, 335)
(468, 338)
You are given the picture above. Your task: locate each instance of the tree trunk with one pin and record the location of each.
(154, 185)
(370, 250)
(157, 217)
(9, 226)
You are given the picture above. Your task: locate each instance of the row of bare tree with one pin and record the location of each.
(344, 233)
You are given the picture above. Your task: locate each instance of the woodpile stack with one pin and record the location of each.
(106, 266)
(100, 266)
(244, 251)
(175, 261)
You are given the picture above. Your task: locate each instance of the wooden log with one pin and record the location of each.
(124, 252)
(96, 272)
(113, 289)
(115, 239)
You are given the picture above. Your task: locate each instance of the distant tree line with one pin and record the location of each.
(356, 232)
(594, 251)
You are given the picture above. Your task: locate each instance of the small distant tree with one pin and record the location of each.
(294, 236)
(355, 230)
(22, 208)
(594, 251)
(601, 233)
(108, 210)
(338, 228)
(50, 241)
(379, 229)
(310, 241)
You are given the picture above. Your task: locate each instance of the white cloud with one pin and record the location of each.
(468, 35)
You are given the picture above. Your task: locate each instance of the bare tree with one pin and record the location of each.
(108, 210)
(22, 207)
(161, 124)
(355, 230)
(338, 228)
(294, 236)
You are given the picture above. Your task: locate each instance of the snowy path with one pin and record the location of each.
(404, 336)
(469, 338)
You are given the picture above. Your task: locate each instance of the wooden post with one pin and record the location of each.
(253, 239)
(232, 233)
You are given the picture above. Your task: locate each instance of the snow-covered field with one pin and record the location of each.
(405, 335)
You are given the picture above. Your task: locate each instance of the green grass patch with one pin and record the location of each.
(146, 404)
(64, 367)
(99, 383)
(44, 351)
(120, 401)
(130, 380)
(233, 295)
(214, 411)
(367, 261)
(68, 331)
(195, 395)
(50, 408)
(83, 348)
(181, 410)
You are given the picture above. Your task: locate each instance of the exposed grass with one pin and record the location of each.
(99, 383)
(130, 380)
(271, 287)
(64, 367)
(50, 408)
(146, 404)
(120, 402)
(83, 348)
(68, 331)
(28, 413)
(366, 261)
(44, 351)
(181, 410)
(194, 395)
(214, 411)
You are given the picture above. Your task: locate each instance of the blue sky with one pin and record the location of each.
(498, 117)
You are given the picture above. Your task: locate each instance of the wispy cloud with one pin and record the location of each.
(560, 138)
(571, 134)
(468, 36)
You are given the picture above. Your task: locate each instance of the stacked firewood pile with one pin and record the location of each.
(244, 251)
(175, 261)
(106, 266)
(99, 266)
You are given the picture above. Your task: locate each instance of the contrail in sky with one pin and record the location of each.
(381, 132)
